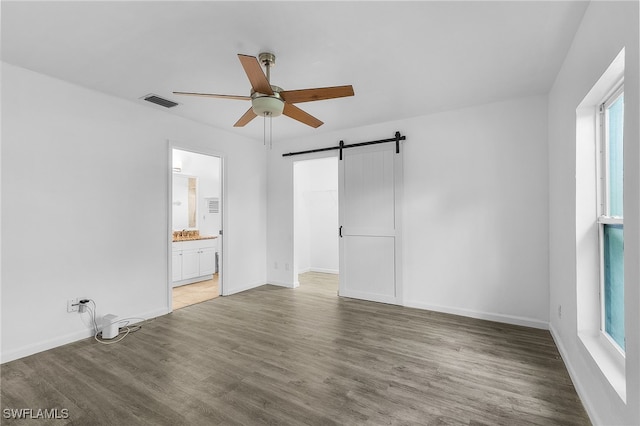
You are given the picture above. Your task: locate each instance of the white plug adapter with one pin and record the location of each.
(110, 327)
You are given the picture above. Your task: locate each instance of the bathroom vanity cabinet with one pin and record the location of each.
(193, 260)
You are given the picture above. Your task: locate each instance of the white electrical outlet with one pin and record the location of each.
(72, 305)
(560, 311)
(286, 266)
(275, 265)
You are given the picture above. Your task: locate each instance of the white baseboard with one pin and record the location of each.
(284, 284)
(507, 319)
(324, 271)
(368, 296)
(34, 348)
(575, 378)
(65, 339)
(192, 280)
(234, 290)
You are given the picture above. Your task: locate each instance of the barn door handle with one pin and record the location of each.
(340, 231)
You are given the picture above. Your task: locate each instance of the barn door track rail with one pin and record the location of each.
(398, 137)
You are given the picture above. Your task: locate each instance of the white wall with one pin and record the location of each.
(85, 189)
(302, 227)
(606, 28)
(316, 192)
(180, 201)
(323, 211)
(475, 211)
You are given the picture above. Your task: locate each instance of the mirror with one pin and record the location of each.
(184, 201)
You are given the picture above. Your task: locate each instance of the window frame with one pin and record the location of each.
(601, 351)
(603, 209)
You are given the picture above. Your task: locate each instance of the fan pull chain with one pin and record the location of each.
(264, 129)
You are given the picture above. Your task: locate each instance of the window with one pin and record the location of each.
(610, 219)
(599, 225)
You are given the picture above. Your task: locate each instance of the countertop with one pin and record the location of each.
(199, 237)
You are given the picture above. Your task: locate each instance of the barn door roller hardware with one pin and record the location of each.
(398, 137)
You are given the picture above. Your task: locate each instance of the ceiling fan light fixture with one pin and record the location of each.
(268, 100)
(267, 106)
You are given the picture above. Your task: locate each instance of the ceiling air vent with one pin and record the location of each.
(155, 99)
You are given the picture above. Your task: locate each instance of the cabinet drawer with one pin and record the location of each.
(194, 244)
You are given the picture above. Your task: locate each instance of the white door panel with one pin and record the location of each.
(369, 182)
(190, 264)
(383, 232)
(207, 261)
(369, 269)
(368, 186)
(176, 266)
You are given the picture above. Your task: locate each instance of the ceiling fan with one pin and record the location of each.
(271, 101)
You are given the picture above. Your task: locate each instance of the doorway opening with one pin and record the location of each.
(196, 221)
(316, 245)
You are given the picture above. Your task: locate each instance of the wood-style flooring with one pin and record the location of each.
(190, 294)
(274, 355)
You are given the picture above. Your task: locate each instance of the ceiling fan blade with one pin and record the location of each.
(213, 95)
(303, 117)
(318, 94)
(246, 118)
(258, 80)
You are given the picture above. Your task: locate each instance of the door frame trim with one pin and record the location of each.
(316, 155)
(222, 245)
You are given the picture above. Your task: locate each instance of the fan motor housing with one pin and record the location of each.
(267, 105)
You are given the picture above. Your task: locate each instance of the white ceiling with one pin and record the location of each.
(403, 59)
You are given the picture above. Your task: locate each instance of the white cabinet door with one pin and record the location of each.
(192, 260)
(370, 179)
(176, 266)
(207, 261)
(190, 263)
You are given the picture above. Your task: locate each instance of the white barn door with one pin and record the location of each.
(370, 183)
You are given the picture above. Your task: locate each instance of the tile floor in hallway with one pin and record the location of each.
(191, 294)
